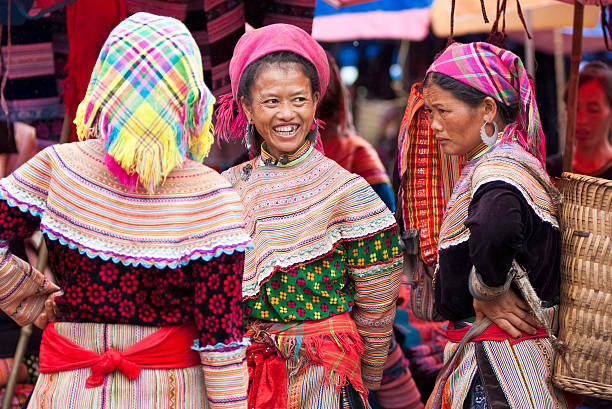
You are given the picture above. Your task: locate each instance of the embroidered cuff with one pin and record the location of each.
(3, 249)
(226, 376)
(220, 347)
(23, 290)
(483, 292)
(376, 331)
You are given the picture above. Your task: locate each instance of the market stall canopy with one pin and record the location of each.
(394, 19)
(343, 3)
(542, 15)
(592, 40)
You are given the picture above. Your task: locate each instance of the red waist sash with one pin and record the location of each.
(167, 348)
(492, 333)
(333, 343)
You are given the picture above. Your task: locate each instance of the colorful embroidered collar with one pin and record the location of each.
(505, 162)
(194, 214)
(299, 213)
(297, 157)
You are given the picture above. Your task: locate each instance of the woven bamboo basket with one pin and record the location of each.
(585, 323)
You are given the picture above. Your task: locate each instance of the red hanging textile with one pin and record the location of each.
(89, 24)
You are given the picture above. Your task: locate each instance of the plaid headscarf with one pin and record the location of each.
(147, 100)
(256, 44)
(501, 75)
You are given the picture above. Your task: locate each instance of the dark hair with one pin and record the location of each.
(332, 102)
(470, 95)
(599, 72)
(279, 57)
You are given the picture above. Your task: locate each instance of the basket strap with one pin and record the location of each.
(476, 329)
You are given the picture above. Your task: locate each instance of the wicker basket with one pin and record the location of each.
(586, 286)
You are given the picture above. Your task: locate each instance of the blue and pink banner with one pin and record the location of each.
(395, 19)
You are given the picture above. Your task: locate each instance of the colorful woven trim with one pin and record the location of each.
(508, 163)
(285, 160)
(430, 177)
(147, 100)
(297, 214)
(195, 214)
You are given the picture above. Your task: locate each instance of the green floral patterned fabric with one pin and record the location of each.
(325, 286)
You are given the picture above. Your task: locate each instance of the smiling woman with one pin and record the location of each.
(281, 103)
(321, 283)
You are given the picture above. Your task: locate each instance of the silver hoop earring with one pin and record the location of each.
(488, 140)
(248, 136)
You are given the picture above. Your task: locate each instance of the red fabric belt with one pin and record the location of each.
(267, 377)
(167, 348)
(492, 333)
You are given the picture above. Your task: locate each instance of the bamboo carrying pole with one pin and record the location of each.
(24, 338)
(572, 88)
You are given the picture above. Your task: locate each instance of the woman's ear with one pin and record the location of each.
(246, 108)
(316, 97)
(489, 109)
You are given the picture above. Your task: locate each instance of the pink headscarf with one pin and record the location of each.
(256, 44)
(500, 74)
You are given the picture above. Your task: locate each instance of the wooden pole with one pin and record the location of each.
(560, 85)
(24, 338)
(572, 88)
(529, 47)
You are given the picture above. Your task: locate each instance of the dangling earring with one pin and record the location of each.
(312, 135)
(248, 136)
(488, 140)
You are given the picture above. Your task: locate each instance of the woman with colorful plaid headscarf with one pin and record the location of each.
(146, 242)
(500, 218)
(320, 286)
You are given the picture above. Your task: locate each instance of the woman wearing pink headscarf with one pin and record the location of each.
(321, 283)
(499, 236)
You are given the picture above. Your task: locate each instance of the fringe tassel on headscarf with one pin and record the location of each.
(230, 119)
(149, 126)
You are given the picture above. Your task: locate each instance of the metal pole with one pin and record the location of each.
(24, 338)
(572, 88)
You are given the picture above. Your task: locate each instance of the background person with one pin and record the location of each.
(592, 143)
(342, 144)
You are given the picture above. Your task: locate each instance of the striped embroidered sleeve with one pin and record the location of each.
(23, 290)
(219, 319)
(375, 265)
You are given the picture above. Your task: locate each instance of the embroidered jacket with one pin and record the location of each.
(324, 243)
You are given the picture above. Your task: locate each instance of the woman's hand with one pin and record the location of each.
(50, 312)
(509, 313)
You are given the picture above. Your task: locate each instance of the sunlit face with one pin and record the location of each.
(282, 107)
(455, 124)
(593, 116)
